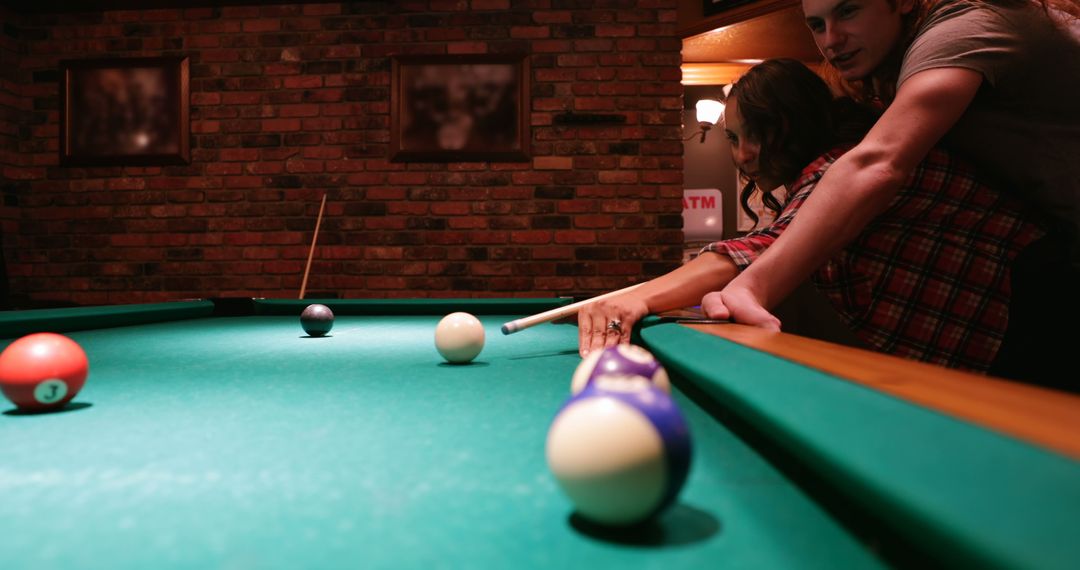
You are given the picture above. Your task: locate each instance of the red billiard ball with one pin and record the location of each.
(42, 371)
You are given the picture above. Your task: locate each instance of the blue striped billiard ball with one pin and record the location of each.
(621, 456)
(618, 363)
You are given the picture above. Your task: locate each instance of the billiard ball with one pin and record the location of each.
(620, 457)
(619, 364)
(42, 371)
(317, 319)
(459, 337)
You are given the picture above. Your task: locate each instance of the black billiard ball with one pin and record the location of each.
(317, 319)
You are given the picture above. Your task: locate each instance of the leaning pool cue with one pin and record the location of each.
(558, 313)
(311, 252)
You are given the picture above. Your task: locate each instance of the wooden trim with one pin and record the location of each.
(712, 73)
(735, 15)
(1040, 416)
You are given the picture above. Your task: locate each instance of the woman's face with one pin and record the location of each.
(745, 150)
(856, 36)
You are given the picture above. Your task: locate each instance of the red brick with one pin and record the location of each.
(265, 25)
(281, 68)
(274, 125)
(408, 178)
(662, 177)
(532, 177)
(241, 98)
(263, 168)
(550, 46)
(618, 176)
(326, 153)
(553, 252)
(385, 282)
(450, 209)
(299, 165)
(531, 237)
(239, 154)
(321, 9)
(614, 30)
(575, 237)
(530, 32)
(467, 223)
(466, 47)
(302, 82)
(553, 162)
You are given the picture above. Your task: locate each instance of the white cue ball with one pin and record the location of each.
(459, 337)
(609, 460)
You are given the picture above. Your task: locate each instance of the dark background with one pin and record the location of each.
(290, 101)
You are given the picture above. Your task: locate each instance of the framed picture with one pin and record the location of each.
(125, 111)
(459, 108)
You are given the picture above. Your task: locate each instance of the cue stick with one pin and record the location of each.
(559, 312)
(311, 252)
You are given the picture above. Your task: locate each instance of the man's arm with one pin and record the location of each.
(855, 189)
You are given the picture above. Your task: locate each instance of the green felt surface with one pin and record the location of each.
(970, 496)
(237, 443)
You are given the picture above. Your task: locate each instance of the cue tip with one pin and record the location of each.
(509, 328)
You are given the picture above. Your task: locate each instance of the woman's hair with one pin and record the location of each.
(790, 112)
(880, 88)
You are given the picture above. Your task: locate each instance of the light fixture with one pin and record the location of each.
(708, 114)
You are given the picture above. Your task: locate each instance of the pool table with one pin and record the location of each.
(217, 434)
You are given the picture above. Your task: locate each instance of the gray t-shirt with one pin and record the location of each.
(1024, 125)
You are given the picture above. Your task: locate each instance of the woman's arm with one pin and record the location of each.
(682, 287)
(855, 189)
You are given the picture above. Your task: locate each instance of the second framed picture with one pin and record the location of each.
(452, 108)
(124, 111)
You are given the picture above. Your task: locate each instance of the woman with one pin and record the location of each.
(996, 82)
(927, 279)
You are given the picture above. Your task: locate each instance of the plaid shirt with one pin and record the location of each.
(928, 279)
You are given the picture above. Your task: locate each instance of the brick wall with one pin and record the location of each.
(13, 107)
(289, 102)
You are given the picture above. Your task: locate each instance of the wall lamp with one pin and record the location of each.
(708, 114)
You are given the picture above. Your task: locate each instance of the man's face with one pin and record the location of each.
(856, 36)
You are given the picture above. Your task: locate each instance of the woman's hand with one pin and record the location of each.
(738, 305)
(596, 322)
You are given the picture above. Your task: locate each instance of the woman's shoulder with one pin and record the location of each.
(828, 157)
(939, 163)
(813, 172)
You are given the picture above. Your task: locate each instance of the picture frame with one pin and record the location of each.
(459, 108)
(125, 111)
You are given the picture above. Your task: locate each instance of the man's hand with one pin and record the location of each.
(738, 305)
